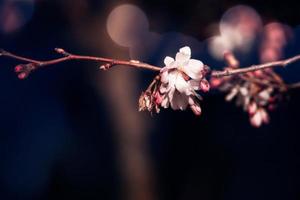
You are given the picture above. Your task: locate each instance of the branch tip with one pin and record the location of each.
(2, 52)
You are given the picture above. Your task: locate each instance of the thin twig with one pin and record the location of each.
(293, 86)
(230, 72)
(35, 64)
(16, 57)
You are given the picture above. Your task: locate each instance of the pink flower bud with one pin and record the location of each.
(215, 82)
(204, 85)
(22, 75)
(256, 120)
(252, 108)
(258, 73)
(19, 68)
(196, 109)
(264, 115)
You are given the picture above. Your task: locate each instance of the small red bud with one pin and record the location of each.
(19, 68)
(215, 82)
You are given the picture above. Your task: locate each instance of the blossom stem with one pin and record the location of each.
(152, 84)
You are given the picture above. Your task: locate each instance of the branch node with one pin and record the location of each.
(135, 61)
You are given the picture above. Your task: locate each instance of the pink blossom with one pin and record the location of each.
(180, 79)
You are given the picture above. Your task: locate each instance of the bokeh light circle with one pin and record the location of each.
(126, 24)
(14, 14)
(241, 24)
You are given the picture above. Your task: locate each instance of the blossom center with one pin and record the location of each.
(184, 75)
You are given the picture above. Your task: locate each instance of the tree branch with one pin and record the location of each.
(230, 72)
(32, 64)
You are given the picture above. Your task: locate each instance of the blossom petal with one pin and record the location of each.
(252, 108)
(264, 115)
(264, 95)
(171, 93)
(179, 101)
(195, 84)
(164, 77)
(246, 102)
(244, 91)
(186, 50)
(196, 109)
(232, 94)
(182, 86)
(183, 55)
(168, 60)
(191, 101)
(163, 88)
(256, 119)
(158, 98)
(194, 69)
(172, 77)
(165, 102)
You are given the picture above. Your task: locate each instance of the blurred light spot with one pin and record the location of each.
(127, 24)
(239, 27)
(219, 45)
(275, 37)
(14, 14)
(243, 20)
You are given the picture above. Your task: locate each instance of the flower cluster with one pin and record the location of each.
(177, 84)
(257, 92)
(23, 70)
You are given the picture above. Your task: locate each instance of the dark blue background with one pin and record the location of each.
(56, 140)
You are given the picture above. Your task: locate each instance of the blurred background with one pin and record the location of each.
(71, 131)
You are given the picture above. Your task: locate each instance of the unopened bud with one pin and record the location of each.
(196, 109)
(22, 75)
(215, 82)
(60, 50)
(19, 68)
(204, 85)
(231, 60)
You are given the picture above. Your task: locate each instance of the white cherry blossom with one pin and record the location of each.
(180, 79)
